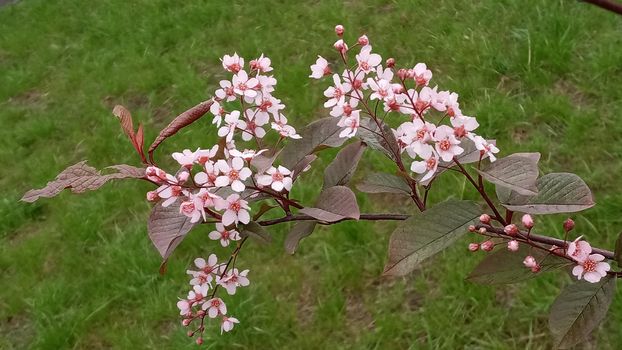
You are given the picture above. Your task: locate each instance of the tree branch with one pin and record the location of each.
(370, 217)
(608, 5)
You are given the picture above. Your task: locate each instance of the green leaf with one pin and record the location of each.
(618, 251)
(300, 230)
(515, 172)
(557, 193)
(334, 204)
(257, 232)
(382, 139)
(579, 309)
(340, 170)
(506, 267)
(320, 133)
(427, 233)
(384, 183)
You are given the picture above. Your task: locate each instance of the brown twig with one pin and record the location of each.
(608, 5)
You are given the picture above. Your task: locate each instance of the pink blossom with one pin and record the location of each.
(485, 147)
(193, 208)
(277, 178)
(215, 307)
(341, 46)
(236, 210)
(226, 92)
(247, 154)
(513, 245)
(530, 262)
(184, 307)
(382, 89)
(592, 269)
(186, 158)
(280, 125)
(169, 193)
(233, 173)
(233, 279)
(579, 250)
(429, 166)
(527, 221)
(350, 124)
(367, 61)
(345, 109)
(244, 86)
(262, 64)
(473, 247)
(217, 110)
(228, 323)
(232, 121)
(208, 176)
(206, 270)
(463, 125)
(446, 145)
(205, 155)
(253, 127)
(233, 63)
(422, 74)
(320, 68)
(336, 94)
(225, 236)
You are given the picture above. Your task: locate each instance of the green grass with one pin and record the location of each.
(79, 271)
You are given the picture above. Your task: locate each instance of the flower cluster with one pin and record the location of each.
(590, 267)
(360, 91)
(218, 183)
(200, 303)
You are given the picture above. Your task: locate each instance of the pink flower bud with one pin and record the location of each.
(363, 40)
(254, 65)
(339, 30)
(482, 230)
(511, 230)
(390, 62)
(183, 176)
(473, 247)
(485, 219)
(341, 46)
(472, 228)
(513, 245)
(190, 334)
(152, 196)
(536, 268)
(568, 225)
(402, 74)
(200, 341)
(527, 221)
(186, 322)
(410, 74)
(487, 246)
(530, 262)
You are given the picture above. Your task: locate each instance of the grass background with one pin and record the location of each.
(79, 272)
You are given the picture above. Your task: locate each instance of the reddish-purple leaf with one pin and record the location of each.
(264, 161)
(334, 204)
(80, 178)
(167, 228)
(315, 136)
(256, 232)
(182, 120)
(341, 169)
(384, 183)
(125, 117)
(300, 230)
(302, 165)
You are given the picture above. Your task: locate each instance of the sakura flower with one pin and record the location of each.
(233, 63)
(184, 307)
(341, 46)
(262, 64)
(226, 92)
(579, 250)
(427, 166)
(244, 86)
(169, 193)
(277, 178)
(234, 279)
(367, 61)
(228, 323)
(320, 68)
(232, 121)
(236, 210)
(336, 94)
(215, 307)
(217, 110)
(280, 125)
(266, 106)
(205, 155)
(485, 147)
(452, 105)
(265, 85)
(422, 74)
(446, 143)
(382, 89)
(463, 125)
(208, 176)
(193, 208)
(247, 154)
(206, 270)
(186, 158)
(345, 109)
(253, 127)
(198, 293)
(225, 236)
(592, 269)
(350, 124)
(414, 135)
(233, 173)
(207, 198)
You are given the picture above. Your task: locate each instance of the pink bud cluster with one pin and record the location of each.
(357, 92)
(201, 301)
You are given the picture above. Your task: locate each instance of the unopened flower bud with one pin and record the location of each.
(183, 176)
(390, 62)
(511, 230)
(341, 46)
(487, 246)
(152, 196)
(568, 225)
(200, 341)
(530, 262)
(201, 313)
(482, 230)
(363, 40)
(472, 228)
(536, 268)
(410, 73)
(473, 247)
(513, 245)
(527, 221)
(339, 30)
(190, 334)
(254, 65)
(485, 219)
(185, 322)
(402, 73)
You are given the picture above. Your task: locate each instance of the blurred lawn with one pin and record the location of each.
(79, 271)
